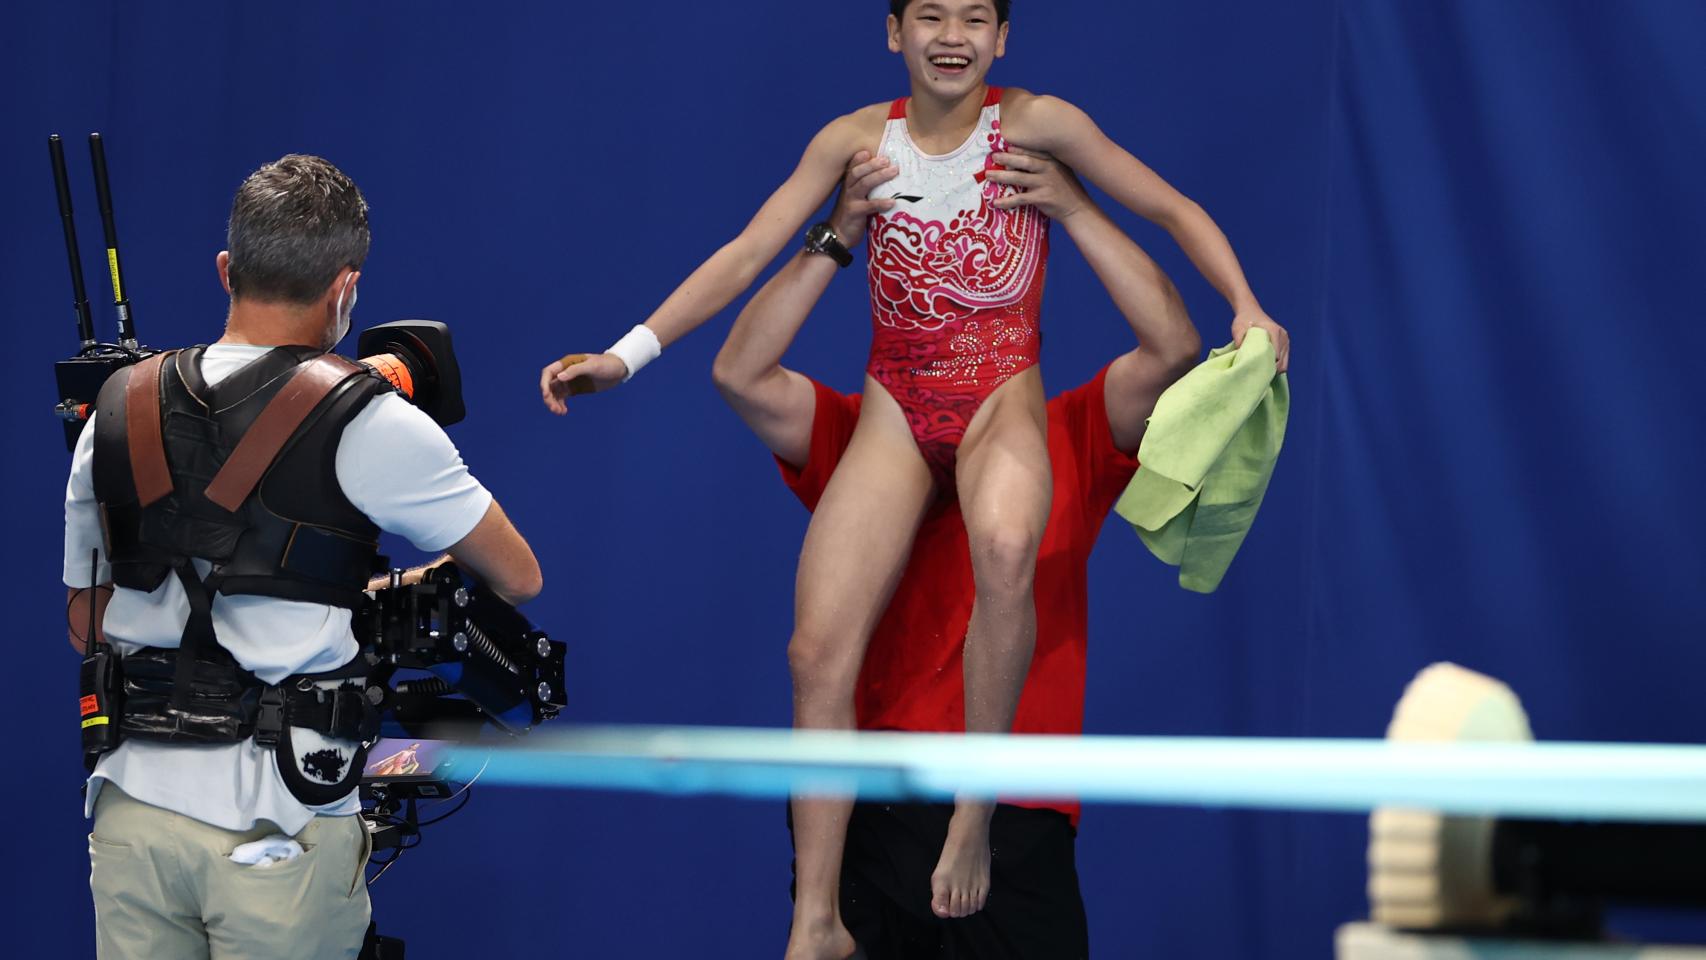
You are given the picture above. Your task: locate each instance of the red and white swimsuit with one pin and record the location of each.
(956, 284)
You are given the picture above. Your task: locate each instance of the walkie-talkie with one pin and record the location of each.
(100, 685)
(80, 377)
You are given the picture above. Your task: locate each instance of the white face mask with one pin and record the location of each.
(344, 316)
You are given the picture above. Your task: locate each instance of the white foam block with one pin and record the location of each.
(1372, 941)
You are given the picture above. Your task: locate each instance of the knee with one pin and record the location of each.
(1004, 557)
(818, 661)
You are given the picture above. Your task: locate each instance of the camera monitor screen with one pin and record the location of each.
(422, 764)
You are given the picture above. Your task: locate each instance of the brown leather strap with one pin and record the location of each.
(275, 426)
(148, 467)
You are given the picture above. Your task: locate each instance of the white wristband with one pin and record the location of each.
(637, 348)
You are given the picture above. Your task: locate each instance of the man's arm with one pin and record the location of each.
(77, 614)
(495, 552)
(85, 558)
(732, 268)
(1168, 344)
(1137, 379)
(399, 468)
(776, 403)
(1061, 129)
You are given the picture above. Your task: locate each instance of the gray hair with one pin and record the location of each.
(294, 224)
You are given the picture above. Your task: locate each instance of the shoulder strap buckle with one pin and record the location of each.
(269, 721)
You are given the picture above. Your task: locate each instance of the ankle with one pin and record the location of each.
(820, 938)
(972, 813)
(816, 922)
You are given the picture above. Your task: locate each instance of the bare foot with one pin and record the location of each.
(820, 941)
(959, 887)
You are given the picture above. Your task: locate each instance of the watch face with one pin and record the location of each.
(821, 238)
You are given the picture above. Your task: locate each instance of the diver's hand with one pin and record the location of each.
(578, 373)
(1256, 317)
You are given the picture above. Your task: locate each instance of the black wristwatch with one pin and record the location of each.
(821, 238)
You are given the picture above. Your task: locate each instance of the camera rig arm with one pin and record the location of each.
(476, 661)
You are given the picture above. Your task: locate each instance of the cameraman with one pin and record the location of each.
(229, 500)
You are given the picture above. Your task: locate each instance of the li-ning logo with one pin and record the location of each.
(908, 199)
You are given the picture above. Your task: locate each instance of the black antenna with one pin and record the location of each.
(104, 197)
(94, 571)
(85, 324)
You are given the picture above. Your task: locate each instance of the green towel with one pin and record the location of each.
(1206, 459)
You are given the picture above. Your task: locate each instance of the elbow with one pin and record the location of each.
(736, 371)
(527, 586)
(732, 379)
(1180, 356)
(1182, 352)
(725, 371)
(1184, 348)
(1180, 348)
(1183, 345)
(1178, 216)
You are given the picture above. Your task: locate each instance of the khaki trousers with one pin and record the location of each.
(165, 887)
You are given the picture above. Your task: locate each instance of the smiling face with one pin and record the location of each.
(948, 45)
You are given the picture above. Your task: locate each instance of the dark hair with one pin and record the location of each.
(898, 7)
(294, 224)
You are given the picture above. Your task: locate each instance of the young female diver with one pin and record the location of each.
(954, 400)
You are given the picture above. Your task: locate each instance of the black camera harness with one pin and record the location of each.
(240, 474)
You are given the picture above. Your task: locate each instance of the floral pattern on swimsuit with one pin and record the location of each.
(956, 284)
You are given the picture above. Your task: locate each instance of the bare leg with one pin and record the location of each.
(1005, 487)
(855, 550)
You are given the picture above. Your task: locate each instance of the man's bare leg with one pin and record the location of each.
(1005, 487)
(855, 550)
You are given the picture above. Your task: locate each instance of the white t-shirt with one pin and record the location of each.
(395, 465)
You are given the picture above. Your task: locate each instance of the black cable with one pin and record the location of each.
(384, 867)
(410, 825)
(467, 793)
(88, 638)
(410, 831)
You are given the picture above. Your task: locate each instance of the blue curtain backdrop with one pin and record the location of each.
(1483, 221)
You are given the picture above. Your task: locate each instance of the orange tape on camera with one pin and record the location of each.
(392, 368)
